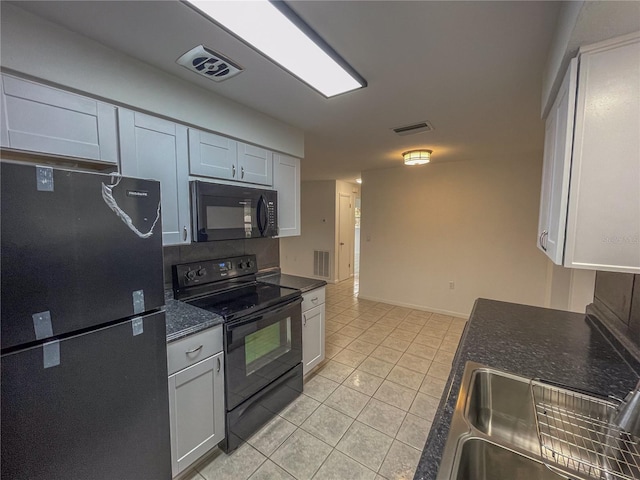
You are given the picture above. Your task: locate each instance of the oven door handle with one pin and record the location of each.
(229, 327)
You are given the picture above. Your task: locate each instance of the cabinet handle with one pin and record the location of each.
(184, 233)
(193, 350)
(314, 299)
(305, 319)
(241, 172)
(542, 242)
(218, 369)
(233, 170)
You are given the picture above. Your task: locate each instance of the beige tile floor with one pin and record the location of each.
(366, 410)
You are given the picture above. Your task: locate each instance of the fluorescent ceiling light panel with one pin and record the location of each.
(267, 29)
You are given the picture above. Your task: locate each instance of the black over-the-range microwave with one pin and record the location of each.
(227, 212)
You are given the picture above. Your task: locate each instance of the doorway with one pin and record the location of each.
(356, 240)
(345, 231)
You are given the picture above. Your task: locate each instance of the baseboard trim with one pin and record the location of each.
(416, 307)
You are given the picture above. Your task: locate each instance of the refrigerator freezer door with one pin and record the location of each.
(78, 250)
(101, 413)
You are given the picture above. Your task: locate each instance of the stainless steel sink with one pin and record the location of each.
(480, 459)
(506, 426)
(499, 405)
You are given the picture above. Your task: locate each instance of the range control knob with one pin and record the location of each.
(191, 275)
(240, 265)
(201, 272)
(249, 264)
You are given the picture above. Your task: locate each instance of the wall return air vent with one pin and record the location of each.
(209, 63)
(414, 128)
(321, 263)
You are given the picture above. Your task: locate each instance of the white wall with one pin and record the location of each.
(317, 213)
(472, 222)
(36, 47)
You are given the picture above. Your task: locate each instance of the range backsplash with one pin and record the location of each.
(617, 303)
(267, 251)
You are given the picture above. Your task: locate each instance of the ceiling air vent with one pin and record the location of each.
(209, 63)
(415, 128)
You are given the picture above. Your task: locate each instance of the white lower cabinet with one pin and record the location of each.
(313, 333)
(196, 405)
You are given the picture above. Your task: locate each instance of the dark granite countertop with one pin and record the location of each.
(292, 281)
(183, 319)
(534, 342)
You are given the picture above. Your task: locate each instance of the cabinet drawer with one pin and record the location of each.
(190, 350)
(312, 299)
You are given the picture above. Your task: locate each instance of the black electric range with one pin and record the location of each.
(262, 338)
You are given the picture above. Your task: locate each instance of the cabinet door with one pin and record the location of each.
(312, 338)
(255, 165)
(557, 167)
(603, 226)
(157, 149)
(42, 119)
(286, 180)
(196, 406)
(212, 155)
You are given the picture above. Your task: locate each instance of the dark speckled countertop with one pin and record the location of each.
(292, 281)
(183, 319)
(534, 342)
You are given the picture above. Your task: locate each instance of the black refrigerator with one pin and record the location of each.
(83, 362)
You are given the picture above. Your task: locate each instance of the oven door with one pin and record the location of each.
(260, 348)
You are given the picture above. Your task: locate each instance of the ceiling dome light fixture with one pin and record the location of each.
(417, 157)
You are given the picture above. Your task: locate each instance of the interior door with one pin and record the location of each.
(345, 243)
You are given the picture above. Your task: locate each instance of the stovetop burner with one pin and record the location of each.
(227, 287)
(243, 300)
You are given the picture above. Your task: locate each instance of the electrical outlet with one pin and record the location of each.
(452, 285)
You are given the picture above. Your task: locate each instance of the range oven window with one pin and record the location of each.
(259, 349)
(266, 345)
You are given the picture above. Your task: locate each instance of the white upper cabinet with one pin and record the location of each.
(38, 118)
(556, 168)
(157, 149)
(212, 155)
(602, 201)
(286, 180)
(255, 164)
(603, 224)
(215, 156)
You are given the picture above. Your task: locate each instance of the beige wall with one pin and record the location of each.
(317, 212)
(38, 48)
(472, 222)
(320, 216)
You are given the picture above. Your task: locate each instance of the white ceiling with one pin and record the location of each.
(473, 69)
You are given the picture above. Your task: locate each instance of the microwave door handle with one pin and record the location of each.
(262, 213)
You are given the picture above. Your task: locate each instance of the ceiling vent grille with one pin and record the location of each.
(209, 63)
(415, 128)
